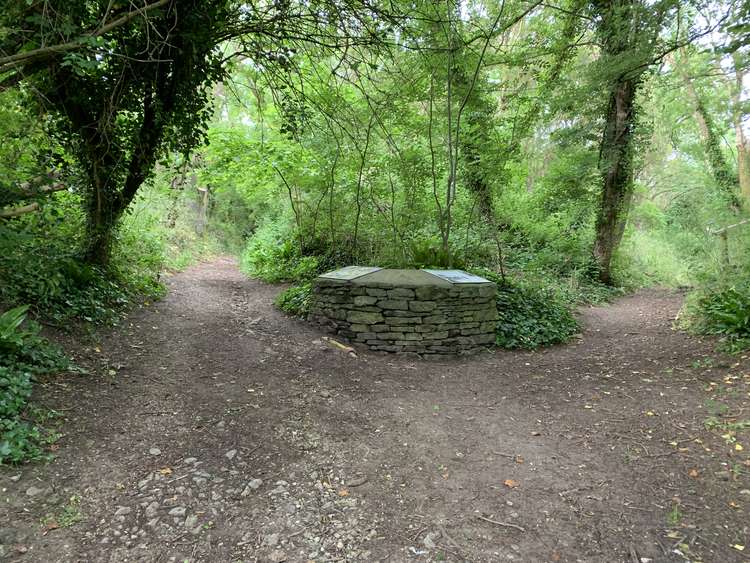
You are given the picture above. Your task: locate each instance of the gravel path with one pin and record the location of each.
(213, 428)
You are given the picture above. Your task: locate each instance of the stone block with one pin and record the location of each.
(469, 331)
(390, 335)
(399, 321)
(365, 300)
(430, 293)
(393, 304)
(422, 306)
(401, 293)
(389, 348)
(440, 348)
(362, 317)
(441, 335)
(363, 308)
(402, 313)
(484, 338)
(376, 292)
(412, 336)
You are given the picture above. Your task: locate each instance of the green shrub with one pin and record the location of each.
(295, 300)
(431, 254)
(278, 260)
(15, 391)
(530, 315)
(23, 354)
(722, 311)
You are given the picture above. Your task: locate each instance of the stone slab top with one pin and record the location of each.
(457, 276)
(349, 273)
(361, 275)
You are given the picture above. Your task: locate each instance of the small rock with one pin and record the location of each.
(230, 454)
(155, 451)
(34, 491)
(152, 509)
(16, 478)
(271, 540)
(745, 492)
(178, 511)
(277, 556)
(429, 540)
(123, 511)
(255, 484)
(191, 521)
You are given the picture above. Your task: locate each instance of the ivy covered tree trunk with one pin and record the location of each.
(119, 108)
(616, 166)
(628, 32)
(721, 169)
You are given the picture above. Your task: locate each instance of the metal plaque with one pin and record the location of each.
(349, 273)
(456, 276)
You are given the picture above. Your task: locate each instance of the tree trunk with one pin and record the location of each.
(743, 163)
(102, 212)
(616, 167)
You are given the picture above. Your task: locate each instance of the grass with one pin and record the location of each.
(674, 516)
(66, 516)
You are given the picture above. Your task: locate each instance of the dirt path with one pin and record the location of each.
(216, 429)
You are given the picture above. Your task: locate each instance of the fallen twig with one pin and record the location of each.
(297, 532)
(504, 524)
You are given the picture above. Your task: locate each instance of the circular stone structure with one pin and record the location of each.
(427, 312)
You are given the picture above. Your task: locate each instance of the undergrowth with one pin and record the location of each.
(295, 300)
(530, 314)
(23, 355)
(721, 310)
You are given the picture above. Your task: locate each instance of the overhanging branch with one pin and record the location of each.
(16, 211)
(11, 62)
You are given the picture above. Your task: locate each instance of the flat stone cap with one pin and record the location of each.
(359, 275)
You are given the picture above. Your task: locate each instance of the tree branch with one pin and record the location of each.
(16, 211)
(10, 62)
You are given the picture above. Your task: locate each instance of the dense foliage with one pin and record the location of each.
(23, 354)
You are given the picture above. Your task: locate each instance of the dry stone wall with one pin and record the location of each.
(438, 320)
